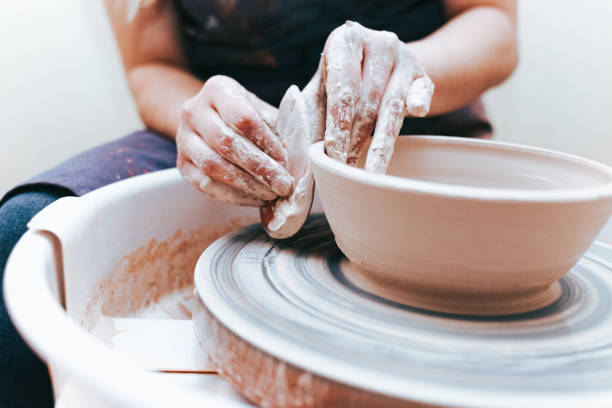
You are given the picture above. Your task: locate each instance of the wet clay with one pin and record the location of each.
(464, 226)
(300, 123)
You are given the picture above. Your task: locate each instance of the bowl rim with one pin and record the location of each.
(403, 184)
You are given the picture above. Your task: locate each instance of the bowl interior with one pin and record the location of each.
(492, 165)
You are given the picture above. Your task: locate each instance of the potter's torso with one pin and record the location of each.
(268, 45)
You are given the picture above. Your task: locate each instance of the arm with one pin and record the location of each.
(153, 61)
(225, 143)
(474, 51)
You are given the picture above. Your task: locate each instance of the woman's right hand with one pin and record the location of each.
(227, 145)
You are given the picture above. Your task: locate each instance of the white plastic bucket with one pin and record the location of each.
(54, 273)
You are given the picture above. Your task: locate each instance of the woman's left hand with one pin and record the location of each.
(372, 81)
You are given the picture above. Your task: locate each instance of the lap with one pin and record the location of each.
(25, 381)
(138, 153)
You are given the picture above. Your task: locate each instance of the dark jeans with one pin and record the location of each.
(24, 379)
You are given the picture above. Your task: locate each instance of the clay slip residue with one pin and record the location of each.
(157, 270)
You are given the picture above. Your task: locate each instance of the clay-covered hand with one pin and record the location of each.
(372, 81)
(227, 145)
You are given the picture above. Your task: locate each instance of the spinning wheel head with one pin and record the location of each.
(286, 326)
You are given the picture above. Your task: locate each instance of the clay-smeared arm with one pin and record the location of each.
(368, 82)
(373, 80)
(225, 135)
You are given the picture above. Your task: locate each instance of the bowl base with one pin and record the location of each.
(447, 300)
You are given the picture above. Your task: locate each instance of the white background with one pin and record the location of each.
(62, 88)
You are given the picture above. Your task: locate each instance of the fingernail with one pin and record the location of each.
(418, 110)
(418, 103)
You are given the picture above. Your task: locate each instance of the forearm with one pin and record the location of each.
(160, 91)
(473, 52)
(149, 43)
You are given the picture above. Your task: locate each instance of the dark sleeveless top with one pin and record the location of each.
(267, 45)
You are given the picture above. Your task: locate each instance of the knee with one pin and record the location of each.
(15, 213)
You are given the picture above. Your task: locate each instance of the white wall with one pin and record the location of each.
(62, 88)
(560, 96)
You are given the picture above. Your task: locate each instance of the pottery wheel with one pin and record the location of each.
(290, 302)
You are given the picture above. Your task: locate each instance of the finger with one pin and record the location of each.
(343, 55)
(268, 113)
(236, 110)
(419, 97)
(390, 118)
(379, 57)
(241, 151)
(216, 190)
(211, 164)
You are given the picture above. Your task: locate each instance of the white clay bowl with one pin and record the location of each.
(465, 226)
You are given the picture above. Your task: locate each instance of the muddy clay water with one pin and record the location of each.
(143, 309)
(156, 280)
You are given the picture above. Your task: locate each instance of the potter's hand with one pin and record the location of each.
(227, 146)
(371, 80)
